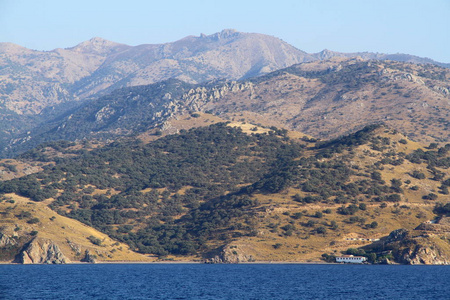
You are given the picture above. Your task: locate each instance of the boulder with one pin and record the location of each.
(42, 251)
(89, 257)
(230, 254)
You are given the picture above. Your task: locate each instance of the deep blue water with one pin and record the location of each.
(201, 281)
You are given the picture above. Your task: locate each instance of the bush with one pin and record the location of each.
(277, 246)
(430, 196)
(349, 210)
(418, 175)
(33, 221)
(296, 215)
(318, 214)
(356, 252)
(373, 225)
(321, 230)
(329, 258)
(334, 225)
(94, 240)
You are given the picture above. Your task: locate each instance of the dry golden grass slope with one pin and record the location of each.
(287, 231)
(69, 235)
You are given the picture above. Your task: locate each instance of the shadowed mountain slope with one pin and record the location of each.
(324, 99)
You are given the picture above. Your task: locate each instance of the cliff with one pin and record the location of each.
(42, 251)
(427, 244)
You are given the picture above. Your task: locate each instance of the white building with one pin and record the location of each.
(350, 259)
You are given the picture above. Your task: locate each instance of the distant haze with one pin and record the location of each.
(403, 26)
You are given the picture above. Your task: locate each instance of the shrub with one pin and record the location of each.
(94, 240)
(321, 230)
(349, 210)
(297, 215)
(33, 221)
(418, 175)
(277, 246)
(329, 258)
(373, 225)
(334, 225)
(430, 196)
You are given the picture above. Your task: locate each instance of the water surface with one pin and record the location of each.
(202, 281)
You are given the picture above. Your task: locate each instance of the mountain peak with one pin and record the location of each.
(96, 45)
(224, 34)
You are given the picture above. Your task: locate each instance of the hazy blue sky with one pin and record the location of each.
(390, 26)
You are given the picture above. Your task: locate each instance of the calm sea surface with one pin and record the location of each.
(201, 281)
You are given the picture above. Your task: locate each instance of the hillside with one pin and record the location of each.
(324, 99)
(41, 86)
(24, 223)
(231, 195)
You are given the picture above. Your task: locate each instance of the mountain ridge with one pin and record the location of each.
(324, 99)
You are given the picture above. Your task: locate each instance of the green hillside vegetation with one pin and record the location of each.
(196, 191)
(163, 197)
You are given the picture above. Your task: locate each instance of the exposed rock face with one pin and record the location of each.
(51, 77)
(6, 241)
(428, 244)
(230, 255)
(89, 257)
(422, 254)
(42, 251)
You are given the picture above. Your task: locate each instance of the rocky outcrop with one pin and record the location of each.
(89, 257)
(42, 251)
(6, 241)
(229, 254)
(425, 254)
(428, 244)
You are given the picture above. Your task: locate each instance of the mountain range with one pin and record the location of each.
(41, 86)
(33, 80)
(324, 99)
(231, 147)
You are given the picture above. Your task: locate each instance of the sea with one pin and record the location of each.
(223, 281)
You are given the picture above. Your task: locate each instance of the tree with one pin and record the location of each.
(318, 214)
(373, 225)
(372, 257)
(334, 225)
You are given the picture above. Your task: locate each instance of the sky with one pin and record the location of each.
(414, 27)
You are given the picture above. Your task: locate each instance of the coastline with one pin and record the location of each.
(182, 262)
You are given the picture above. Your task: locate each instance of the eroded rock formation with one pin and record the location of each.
(42, 251)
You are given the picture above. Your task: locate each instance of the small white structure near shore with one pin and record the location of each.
(350, 259)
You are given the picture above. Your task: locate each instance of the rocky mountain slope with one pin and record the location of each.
(401, 57)
(38, 86)
(32, 80)
(243, 193)
(325, 99)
